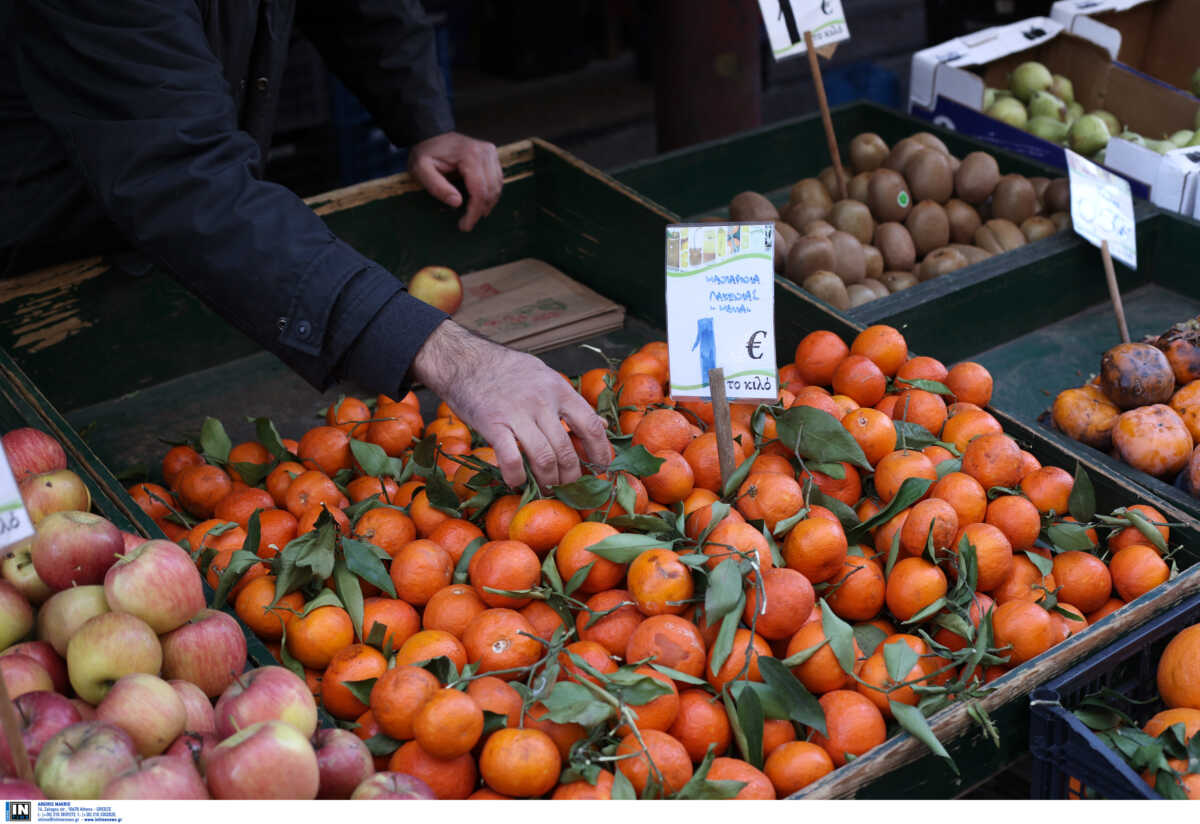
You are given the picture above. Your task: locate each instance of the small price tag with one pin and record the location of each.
(787, 20)
(721, 309)
(15, 525)
(1102, 208)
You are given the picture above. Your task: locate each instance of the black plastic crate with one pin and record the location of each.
(1064, 748)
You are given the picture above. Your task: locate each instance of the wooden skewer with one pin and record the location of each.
(12, 734)
(722, 423)
(1114, 292)
(826, 120)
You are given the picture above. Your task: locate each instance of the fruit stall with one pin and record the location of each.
(954, 552)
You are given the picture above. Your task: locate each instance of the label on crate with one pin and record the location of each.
(14, 520)
(787, 20)
(1102, 208)
(721, 309)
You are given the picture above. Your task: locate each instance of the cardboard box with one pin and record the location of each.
(948, 81)
(1157, 37)
(1176, 184)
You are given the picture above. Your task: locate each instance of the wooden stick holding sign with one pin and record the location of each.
(826, 120)
(722, 423)
(12, 735)
(1114, 292)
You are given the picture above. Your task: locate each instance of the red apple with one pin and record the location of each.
(266, 694)
(108, 647)
(16, 615)
(14, 789)
(50, 660)
(393, 786)
(73, 549)
(438, 286)
(22, 674)
(161, 778)
(146, 707)
(58, 491)
(17, 568)
(32, 452)
(65, 612)
(86, 711)
(195, 747)
(80, 760)
(268, 760)
(344, 761)
(199, 708)
(209, 650)
(42, 714)
(132, 541)
(158, 582)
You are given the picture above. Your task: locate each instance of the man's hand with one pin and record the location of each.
(514, 401)
(478, 163)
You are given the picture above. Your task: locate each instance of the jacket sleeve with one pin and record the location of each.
(384, 51)
(142, 107)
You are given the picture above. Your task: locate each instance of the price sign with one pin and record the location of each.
(721, 309)
(14, 520)
(1102, 208)
(787, 20)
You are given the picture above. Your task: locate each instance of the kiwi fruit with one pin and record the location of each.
(867, 152)
(1014, 199)
(929, 176)
(810, 190)
(896, 245)
(1039, 190)
(853, 217)
(973, 254)
(964, 220)
(800, 214)
(929, 227)
(828, 287)
(1062, 220)
(809, 253)
(856, 187)
(1037, 227)
(999, 235)
(976, 177)
(752, 206)
(818, 227)
(785, 236)
(874, 261)
(877, 287)
(849, 260)
(901, 152)
(897, 281)
(941, 262)
(888, 196)
(931, 141)
(859, 294)
(1058, 195)
(828, 178)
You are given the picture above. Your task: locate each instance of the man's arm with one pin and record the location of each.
(143, 109)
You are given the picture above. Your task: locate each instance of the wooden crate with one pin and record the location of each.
(1042, 327)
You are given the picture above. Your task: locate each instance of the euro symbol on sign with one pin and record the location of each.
(753, 344)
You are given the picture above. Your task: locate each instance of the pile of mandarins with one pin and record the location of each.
(653, 629)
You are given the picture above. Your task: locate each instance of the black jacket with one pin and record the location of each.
(146, 123)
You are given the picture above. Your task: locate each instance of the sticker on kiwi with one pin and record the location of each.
(902, 199)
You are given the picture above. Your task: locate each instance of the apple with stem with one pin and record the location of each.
(65, 612)
(80, 760)
(209, 650)
(158, 582)
(160, 778)
(50, 492)
(75, 548)
(439, 286)
(267, 760)
(32, 452)
(108, 647)
(266, 694)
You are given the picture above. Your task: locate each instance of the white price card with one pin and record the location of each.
(14, 520)
(787, 20)
(721, 309)
(1102, 208)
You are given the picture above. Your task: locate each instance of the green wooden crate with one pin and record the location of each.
(1042, 327)
(700, 180)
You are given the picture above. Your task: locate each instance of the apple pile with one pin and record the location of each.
(113, 663)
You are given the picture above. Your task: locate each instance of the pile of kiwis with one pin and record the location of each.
(913, 212)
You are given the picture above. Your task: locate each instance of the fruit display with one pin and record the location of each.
(1163, 748)
(913, 212)
(1044, 105)
(651, 630)
(1143, 407)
